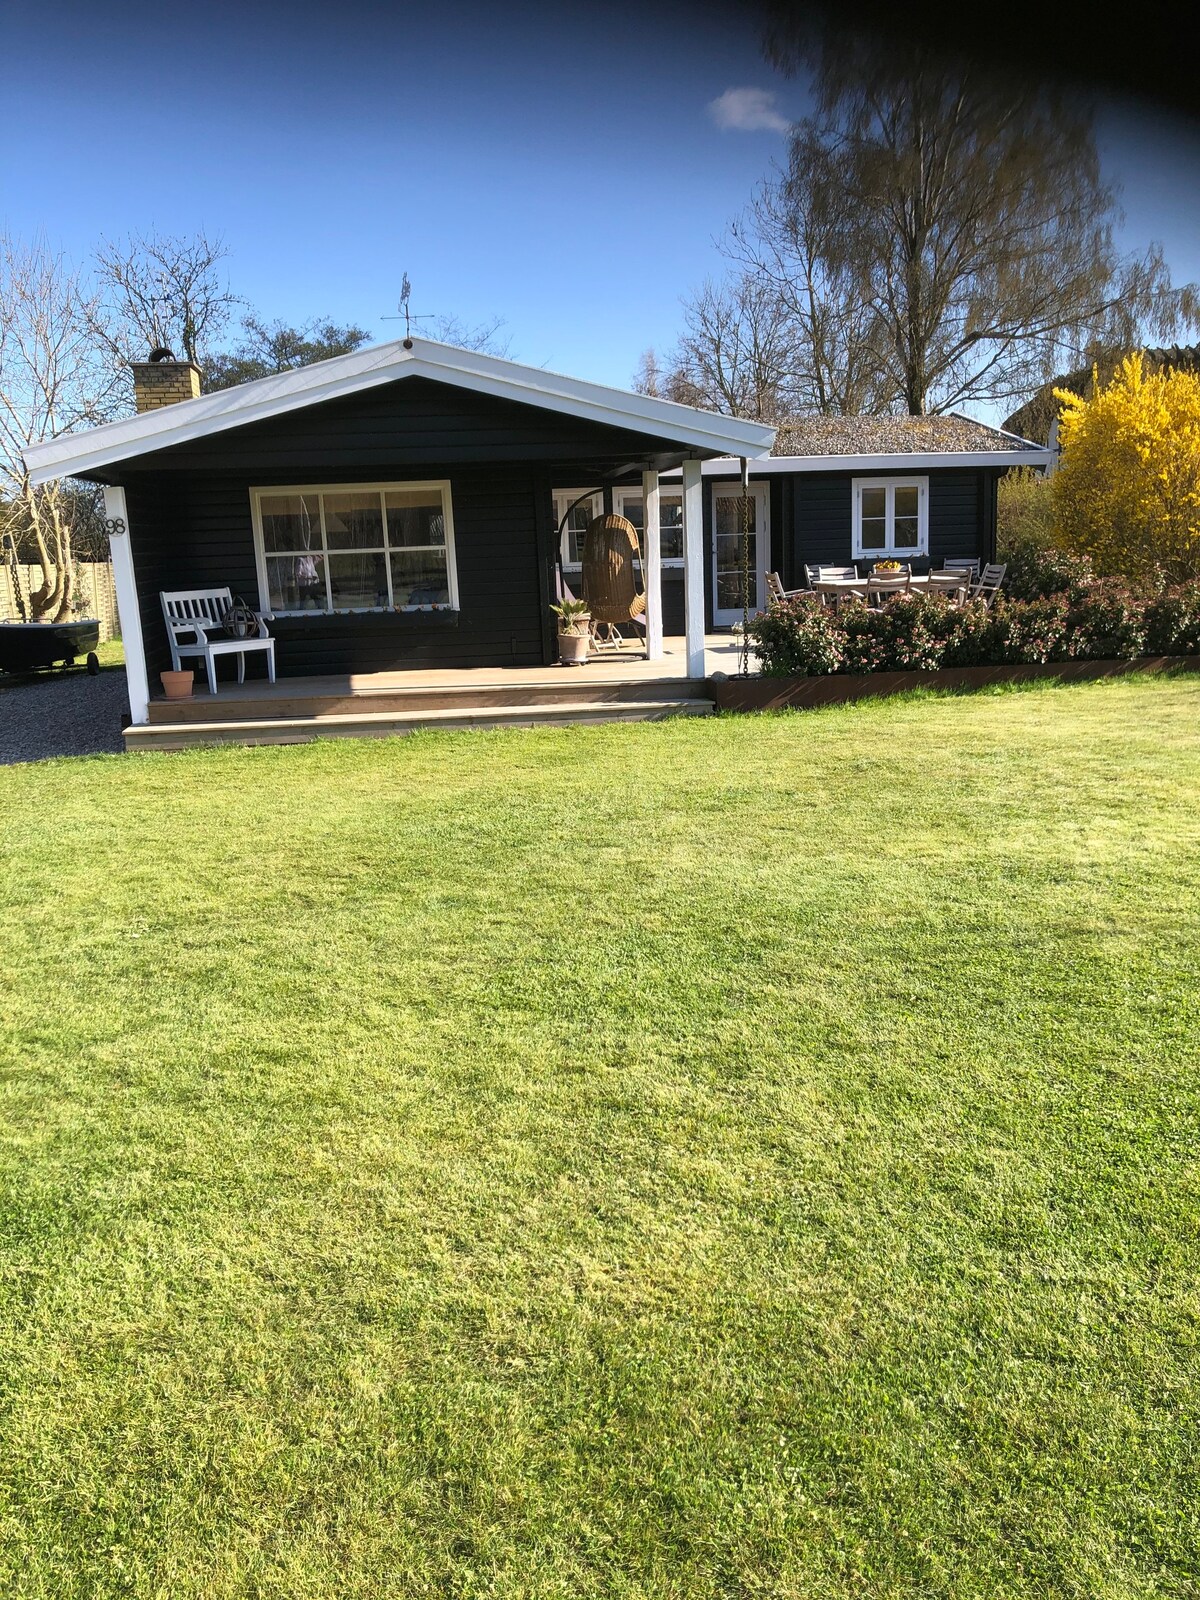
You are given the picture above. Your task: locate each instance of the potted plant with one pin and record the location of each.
(574, 631)
(177, 685)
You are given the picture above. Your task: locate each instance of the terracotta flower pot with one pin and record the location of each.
(177, 685)
(573, 648)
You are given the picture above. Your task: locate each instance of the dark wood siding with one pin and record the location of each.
(819, 518)
(193, 530)
(409, 424)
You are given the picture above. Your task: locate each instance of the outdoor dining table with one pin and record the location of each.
(838, 589)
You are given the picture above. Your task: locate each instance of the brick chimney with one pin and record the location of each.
(162, 380)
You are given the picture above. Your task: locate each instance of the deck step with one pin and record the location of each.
(384, 724)
(294, 704)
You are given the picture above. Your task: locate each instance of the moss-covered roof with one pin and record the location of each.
(871, 436)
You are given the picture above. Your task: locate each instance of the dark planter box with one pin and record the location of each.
(774, 694)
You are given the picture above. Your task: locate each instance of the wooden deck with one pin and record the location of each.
(609, 688)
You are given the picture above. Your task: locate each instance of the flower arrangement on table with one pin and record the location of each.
(888, 566)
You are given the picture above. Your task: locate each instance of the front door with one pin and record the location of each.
(728, 563)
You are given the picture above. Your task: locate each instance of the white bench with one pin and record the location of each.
(199, 612)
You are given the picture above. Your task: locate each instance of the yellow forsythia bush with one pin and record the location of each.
(1127, 492)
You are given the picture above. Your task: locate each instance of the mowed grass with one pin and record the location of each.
(741, 1158)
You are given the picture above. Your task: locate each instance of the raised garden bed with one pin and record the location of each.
(774, 694)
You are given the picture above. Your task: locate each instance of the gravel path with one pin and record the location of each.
(67, 714)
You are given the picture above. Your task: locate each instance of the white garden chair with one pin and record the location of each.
(201, 612)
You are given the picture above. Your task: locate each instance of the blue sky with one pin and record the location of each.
(561, 168)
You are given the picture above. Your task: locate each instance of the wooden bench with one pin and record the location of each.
(201, 612)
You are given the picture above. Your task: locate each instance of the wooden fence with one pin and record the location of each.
(93, 585)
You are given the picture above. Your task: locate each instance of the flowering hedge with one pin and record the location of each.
(1093, 619)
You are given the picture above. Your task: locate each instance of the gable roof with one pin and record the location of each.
(703, 432)
(952, 434)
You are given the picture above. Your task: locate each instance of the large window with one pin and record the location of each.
(891, 517)
(591, 505)
(355, 547)
(629, 503)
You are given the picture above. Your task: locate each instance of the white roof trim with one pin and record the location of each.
(78, 453)
(898, 461)
(1005, 433)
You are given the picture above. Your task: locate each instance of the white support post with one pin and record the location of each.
(693, 568)
(117, 516)
(652, 565)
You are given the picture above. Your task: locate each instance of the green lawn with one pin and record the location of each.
(749, 1158)
(111, 653)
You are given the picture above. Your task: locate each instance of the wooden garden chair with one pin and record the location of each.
(776, 593)
(192, 615)
(989, 583)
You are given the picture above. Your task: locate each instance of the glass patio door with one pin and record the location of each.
(727, 551)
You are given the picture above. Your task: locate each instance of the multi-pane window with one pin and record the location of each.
(357, 547)
(891, 517)
(629, 503)
(578, 512)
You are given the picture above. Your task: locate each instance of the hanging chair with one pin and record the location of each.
(610, 581)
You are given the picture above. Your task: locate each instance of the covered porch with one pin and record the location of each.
(629, 686)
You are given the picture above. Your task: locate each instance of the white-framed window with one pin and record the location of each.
(628, 504)
(342, 547)
(891, 517)
(591, 505)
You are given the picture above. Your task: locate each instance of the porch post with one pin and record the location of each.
(117, 516)
(693, 568)
(652, 565)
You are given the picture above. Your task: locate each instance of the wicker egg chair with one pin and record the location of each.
(610, 582)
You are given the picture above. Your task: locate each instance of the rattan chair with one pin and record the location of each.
(610, 580)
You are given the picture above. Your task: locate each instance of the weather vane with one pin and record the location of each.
(402, 310)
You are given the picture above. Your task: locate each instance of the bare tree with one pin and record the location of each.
(736, 351)
(279, 347)
(54, 376)
(157, 290)
(790, 239)
(481, 336)
(966, 212)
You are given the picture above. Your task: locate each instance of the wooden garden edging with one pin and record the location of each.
(774, 694)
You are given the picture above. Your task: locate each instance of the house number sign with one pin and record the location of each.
(114, 526)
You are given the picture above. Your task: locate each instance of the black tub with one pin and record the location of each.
(27, 645)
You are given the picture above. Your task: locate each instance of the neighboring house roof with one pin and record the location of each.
(883, 436)
(1036, 417)
(691, 429)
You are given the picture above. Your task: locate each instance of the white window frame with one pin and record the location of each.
(633, 491)
(263, 491)
(888, 551)
(563, 498)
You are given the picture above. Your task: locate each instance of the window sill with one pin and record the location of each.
(427, 616)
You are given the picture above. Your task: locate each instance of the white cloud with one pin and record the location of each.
(747, 111)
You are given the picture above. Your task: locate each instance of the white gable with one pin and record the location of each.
(704, 432)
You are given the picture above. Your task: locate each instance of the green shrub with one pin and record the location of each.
(866, 638)
(1036, 571)
(916, 629)
(1024, 511)
(1029, 632)
(1105, 620)
(1173, 621)
(970, 641)
(1109, 622)
(797, 638)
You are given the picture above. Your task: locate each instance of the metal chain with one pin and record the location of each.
(745, 650)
